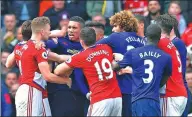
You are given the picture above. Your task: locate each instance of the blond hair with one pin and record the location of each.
(126, 20)
(39, 23)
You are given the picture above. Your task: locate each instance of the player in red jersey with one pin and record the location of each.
(34, 70)
(95, 62)
(174, 96)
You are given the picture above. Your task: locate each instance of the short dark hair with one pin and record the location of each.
(140, 18)
(153, 33)
(88, 35)
(78, 19)
(174, 24)
(165, 23)
(95, 24)
(26, 30)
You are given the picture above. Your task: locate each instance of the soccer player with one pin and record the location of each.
(95, 61)
(180, 45)
(174, 95)
(125, 26)
(149, 64)
(34, 71)
(26, 33)
(98, 27)
(74, 103)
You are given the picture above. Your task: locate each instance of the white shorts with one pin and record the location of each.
(107, 107)
(29, 102)
(173, 106)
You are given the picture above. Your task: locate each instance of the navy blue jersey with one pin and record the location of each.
(180, 45)
(149, 63)
(121, 43)
(68, 47)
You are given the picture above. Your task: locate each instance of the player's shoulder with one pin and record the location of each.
(178, 41)
(31, 45)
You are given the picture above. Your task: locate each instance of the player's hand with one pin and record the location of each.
(55, 40)
(39, 45)
(88, 95)
(128, 70)
(118, 56)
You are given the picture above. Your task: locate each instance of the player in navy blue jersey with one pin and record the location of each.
(66, 101)
(180, 45)
(151, 68)
(125, 26)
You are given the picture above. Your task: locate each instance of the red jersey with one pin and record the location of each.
(28, 58)
(96, 65)
(174, 86)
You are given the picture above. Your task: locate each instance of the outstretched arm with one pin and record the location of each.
(50, 77)
(58, 58)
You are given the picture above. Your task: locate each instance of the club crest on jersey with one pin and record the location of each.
(68, 60)
(44, 55)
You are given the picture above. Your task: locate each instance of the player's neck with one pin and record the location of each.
(172, 36)
(36, 37)
(163, 35)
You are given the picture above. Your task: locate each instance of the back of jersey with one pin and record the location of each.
(96, 65)
(27, 58)
(121, 43)
(175, 85)
(149, 64)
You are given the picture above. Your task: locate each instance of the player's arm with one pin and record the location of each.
(127, 59)
(58, 58)
(110, 40)
(167, 72)
(76, 61)
(59, 33)
(63, 69)
(10, 61)
(50, 77)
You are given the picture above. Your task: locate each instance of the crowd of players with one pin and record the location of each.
(85, 80)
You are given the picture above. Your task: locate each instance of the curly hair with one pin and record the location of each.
(126, 20)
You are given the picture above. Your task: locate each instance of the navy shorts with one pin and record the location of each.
(146, 107)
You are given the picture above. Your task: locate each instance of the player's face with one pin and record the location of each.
(154, 7)
(46, 32)
(116, 28)
(73, 30)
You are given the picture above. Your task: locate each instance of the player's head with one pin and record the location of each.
(141, 25)
(75, 25)
(124, 21)
(87, 37)
(26, 30)
(41, 26)
(153, 33)
(165, 24)
(98, 27)
(174, 22)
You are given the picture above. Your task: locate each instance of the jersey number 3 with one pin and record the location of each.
(108, 70)
(148, 71)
